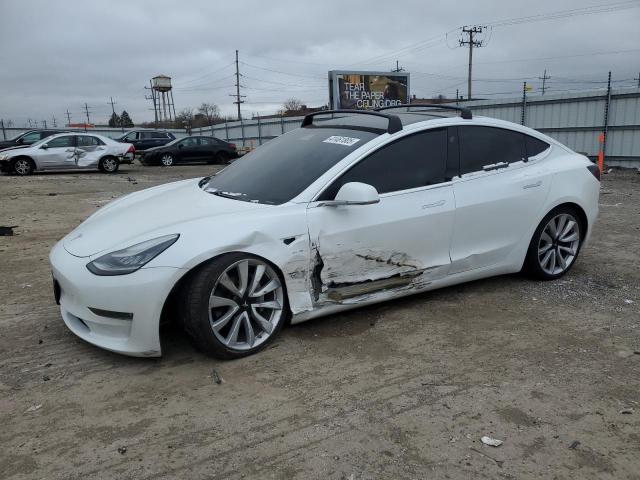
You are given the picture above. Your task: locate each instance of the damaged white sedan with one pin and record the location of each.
(67, 151)
(351, 209)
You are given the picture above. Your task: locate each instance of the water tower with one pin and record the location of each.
(162, 96)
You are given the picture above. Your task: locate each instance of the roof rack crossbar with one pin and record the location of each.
(464, 112)
(395, 125)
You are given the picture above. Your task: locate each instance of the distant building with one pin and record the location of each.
(426, 101)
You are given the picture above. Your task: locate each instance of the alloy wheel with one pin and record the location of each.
(167, 160)
(558, 244)
(246, 304)
(22, 167)
(109, 164)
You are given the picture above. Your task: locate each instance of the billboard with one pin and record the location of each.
(367, 90)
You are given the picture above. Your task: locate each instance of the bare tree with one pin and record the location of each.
(210, 111)
(292, 104)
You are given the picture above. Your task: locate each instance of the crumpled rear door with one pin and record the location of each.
(89, 151)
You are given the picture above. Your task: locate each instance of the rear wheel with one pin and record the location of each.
(109, 165)
(234, 306)
(23, 166)
(222, 158)
(555, 244)
(167, 160)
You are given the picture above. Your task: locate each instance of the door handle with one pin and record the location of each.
(533, 185)
(439, 203)
(495, 166)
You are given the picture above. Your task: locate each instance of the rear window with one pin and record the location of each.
(535, 146)
(279, 170)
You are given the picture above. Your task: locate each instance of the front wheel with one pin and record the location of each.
(23, 166)
(555, 244)
(234, 306)
(109, 165)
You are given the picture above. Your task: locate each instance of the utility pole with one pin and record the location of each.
(152, 97)
(471, 32)
(398, 68)
(68, 118)
(113, 109)
(457, 96)
(544, 79)
(523, 115)
(44, 123)
(638, 79)
(53, 119)
(237, 94)
(86, 109)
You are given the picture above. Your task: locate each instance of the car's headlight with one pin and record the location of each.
(130, 259)
(4, 157)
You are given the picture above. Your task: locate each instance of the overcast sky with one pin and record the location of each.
(58, 55)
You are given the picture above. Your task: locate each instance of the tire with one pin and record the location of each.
(167, 160)
(552, 253)
(109, 165)
(233, 325)
(23, 166)
(223, 158)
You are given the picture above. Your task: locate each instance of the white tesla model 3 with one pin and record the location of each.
(348, 211)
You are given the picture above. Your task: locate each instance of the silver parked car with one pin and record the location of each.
(68, 151)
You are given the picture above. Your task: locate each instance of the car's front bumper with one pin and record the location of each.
(141, 294)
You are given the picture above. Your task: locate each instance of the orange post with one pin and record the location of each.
(601, 153)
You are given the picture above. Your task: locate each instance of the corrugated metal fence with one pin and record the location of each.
(576, 120)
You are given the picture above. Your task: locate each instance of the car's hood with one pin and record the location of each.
(5, 147)
(148, 214)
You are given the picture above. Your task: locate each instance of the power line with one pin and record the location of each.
(471, 32)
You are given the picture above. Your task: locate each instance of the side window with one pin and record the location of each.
(147, 135)
(206, 141)
(66, 141)
(410, 162)
(87, 141)
(189, 142)
(31, 137)
(158, 135)
(535, 146)
(131, 136)
(480, 146)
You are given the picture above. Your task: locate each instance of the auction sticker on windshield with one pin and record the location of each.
(338, 140)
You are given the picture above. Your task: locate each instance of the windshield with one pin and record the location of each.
(280, 169)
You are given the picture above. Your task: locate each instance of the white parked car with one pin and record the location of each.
(68, 151)
(337, 214)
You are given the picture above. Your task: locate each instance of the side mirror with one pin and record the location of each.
(45, 146)
(354, 193)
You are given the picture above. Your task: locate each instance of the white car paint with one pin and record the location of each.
(468, 228)
(71, 157)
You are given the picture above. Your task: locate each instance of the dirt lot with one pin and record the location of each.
(400, 390)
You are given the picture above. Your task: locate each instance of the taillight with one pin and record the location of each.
(595, 171)
(132, 149)
(232, 145)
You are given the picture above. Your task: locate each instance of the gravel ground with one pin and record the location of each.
(404, 389)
